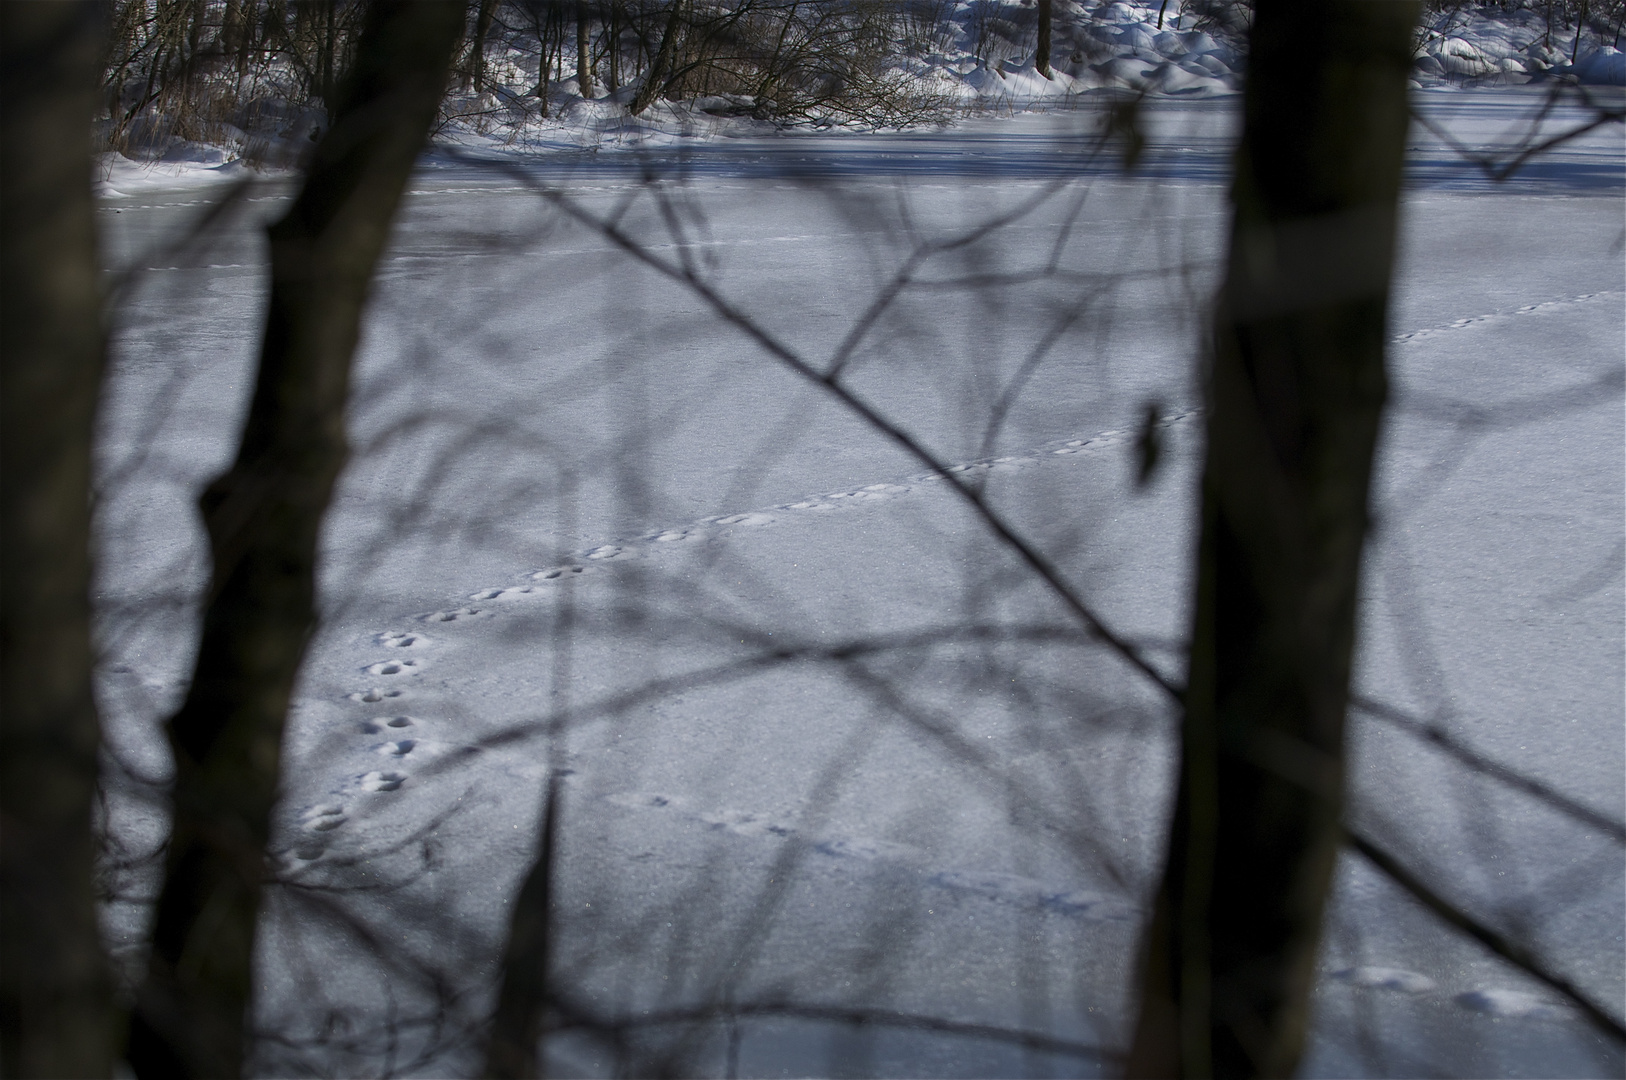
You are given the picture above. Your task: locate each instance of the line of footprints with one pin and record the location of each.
(317, 822)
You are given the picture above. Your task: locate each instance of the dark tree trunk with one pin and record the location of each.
(655, 80)
(613, 39)
(263, 517)
(1041, 60)
(1295, 393)
(477, 55)
(56, 1008)
(1580, 26)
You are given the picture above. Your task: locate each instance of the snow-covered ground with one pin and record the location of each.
(828, 745)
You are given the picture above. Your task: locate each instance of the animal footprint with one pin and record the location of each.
(605, 551)
(451, 616)
(745, 519)
(373, 695)
(1512, 1004)
(392, 667)
(382, 781)
(744, 824)
(556, 572)
(322, 818)
(378, 726)
(670, 535)
(488, 594)
(400, 748)
(400, 640)
(642, 800)
(1386, 978)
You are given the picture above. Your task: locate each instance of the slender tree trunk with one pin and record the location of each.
(1296, 389)
(1580, 25)
(330, 49)
(584, 50)
(613, 38)
(482, 28)
(1041, 60)
(655, 80)
(263, 517)
(57, 1017)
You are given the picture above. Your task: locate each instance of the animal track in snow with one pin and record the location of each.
(375, 727)
(1513, 1005)
(402, 639)
(324, 817)
(1475, 320)
(373, 695)
(585, 560)
(393, 667)
(1386, 978)
(1004, 888)
(1028, 892)
(456, 615)
(557, 572)
(399, 748)
(382, 781)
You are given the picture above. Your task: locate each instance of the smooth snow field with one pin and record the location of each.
(845, 791)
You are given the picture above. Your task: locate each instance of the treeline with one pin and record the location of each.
(222, 70)
(259, 73)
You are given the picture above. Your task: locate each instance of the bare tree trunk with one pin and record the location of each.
(1580, 26)
(1296, 390)
(263, 517)
(655, 80)
(57, 1016)
(477, 57)
(613, 38)
(584, 51)
(1041, 59)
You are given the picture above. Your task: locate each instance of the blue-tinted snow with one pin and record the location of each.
(571, 482)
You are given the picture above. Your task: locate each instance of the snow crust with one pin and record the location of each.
(573, 484)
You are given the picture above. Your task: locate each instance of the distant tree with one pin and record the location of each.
(584, 50)
(1296, 388)
(1041, 59)
(57, 1016)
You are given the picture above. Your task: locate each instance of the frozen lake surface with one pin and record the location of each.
(830, 748)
